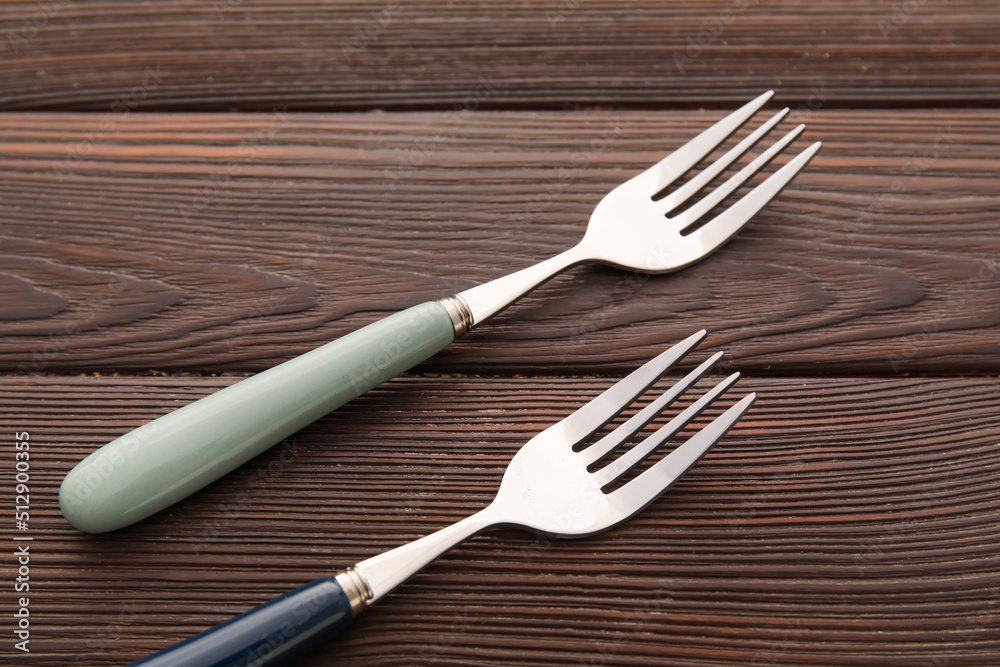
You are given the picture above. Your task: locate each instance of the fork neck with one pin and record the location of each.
(476, 305)
(382, 573)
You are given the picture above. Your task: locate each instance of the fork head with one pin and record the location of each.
(633, 227)
(555, 487)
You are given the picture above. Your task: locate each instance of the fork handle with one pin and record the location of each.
(169, 458)
(274, 633)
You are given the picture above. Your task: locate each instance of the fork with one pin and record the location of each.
(564, 482)
(633, 227)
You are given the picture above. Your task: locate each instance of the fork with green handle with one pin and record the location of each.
(632, 228)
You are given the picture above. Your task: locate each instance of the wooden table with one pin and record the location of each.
(193, 192)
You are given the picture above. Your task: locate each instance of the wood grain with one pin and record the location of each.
(383, 154)
(845, 521)
(232, 242)
(115, 55)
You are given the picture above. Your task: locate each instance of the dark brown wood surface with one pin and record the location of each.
(844, 521)
(193, 192)
(234, 242)
(226, 54)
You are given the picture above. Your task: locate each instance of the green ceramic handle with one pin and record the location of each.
(169, 458)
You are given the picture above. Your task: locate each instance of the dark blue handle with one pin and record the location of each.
(274, 633)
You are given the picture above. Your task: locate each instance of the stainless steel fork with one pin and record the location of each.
(564, 482)
(633, 227)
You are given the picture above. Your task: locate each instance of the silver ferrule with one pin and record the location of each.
(356, 588)
(458, 310)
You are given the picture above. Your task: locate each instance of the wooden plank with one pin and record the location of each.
(845, 521)
(207, 243)
(252, 54)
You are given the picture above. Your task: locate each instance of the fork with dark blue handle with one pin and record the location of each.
(551, 486)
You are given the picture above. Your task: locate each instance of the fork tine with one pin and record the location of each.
(712, 199)
(637, 454)
(605, 445)
(598, 412)
(692, 187)
(675, 165)
(717, 231)
(651, 483)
